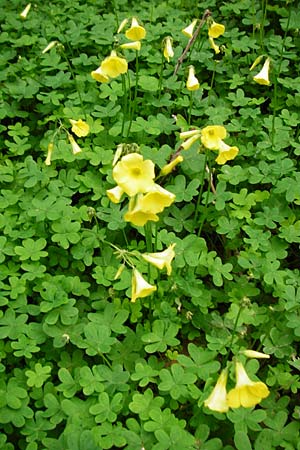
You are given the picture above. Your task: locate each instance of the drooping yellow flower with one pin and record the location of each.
(192, 83)
(226, 153)
(140, 288)
(135, 45)
(79, 127)
(217, 401)
(115, 194)
(161, 259)
(254, 354)
(114, 65)
(189, 30)
(100, 75)
(214, 46)
(49, 154)
(171, 165)
(215, 29)
(190, 141)
(246, 393)
(50, 46)
(212, 135)
(168, 49)
(256, 62)
(75, 147)
(122, 25)
(134, 174)
(136, 32)
(156, 199)
(263, 76)
(24, 13)
(138, 217)
(189, 133)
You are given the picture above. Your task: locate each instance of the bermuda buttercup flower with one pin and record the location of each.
(256, 62)
(192, 83)
(25, 12)
(135, 45)
(134, 174)
(79, 127)
(122, 25)
(49, 153)
(140, 288)
(114, 65)
(50, 46)
(171, 165)
(214, 46)
(100, 75)
(189, 30)
(168, 49)
(246, 393)
(226, 153)
(212, 135)
(254, 354)
(215, 29)
(75, 147)
(136, 32)
(137, 215)
(161, 259)
(115, 194)
(190, 141)
(263, 76)
(156, 199)
(217, 401)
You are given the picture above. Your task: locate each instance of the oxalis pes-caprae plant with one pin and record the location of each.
(135, 178)
(149, 226)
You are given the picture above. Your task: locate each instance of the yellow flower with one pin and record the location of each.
(263, 76)
(49, 46)
(114, 65)
(256, 62)
(192, 83)
(24, 13)
(49, 154)
(79, 127)
(214, 46)
(217, 401)
(254, 354)
(156, 199)
(169, 167)
(140, 288)
(211, 136)
(168, 50)
(138, 217)
(136, 45)
(75, 147)
(215, 29)
(226, 153)
(161, 259)
(100, 75)
(190, 133)
(122, 25)
(189, 142)
(136, 32)
(133, 174)
(189, 30)
(115, 194)
(247, 393)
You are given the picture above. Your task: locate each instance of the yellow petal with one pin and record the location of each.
(140, 288)
(189, 30)
(136, 32)
(215, 29)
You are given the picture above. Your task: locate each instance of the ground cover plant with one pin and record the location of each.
(149, 225)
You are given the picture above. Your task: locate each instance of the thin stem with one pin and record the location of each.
(190, 108)
(234, 330)
(206, 14)
(135, 91)
(160, 76)
(201, 191)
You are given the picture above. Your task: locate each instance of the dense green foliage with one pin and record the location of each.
(82, 367)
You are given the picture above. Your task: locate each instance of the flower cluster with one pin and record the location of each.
(211, 138)
(135, 177)
(246, 393)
